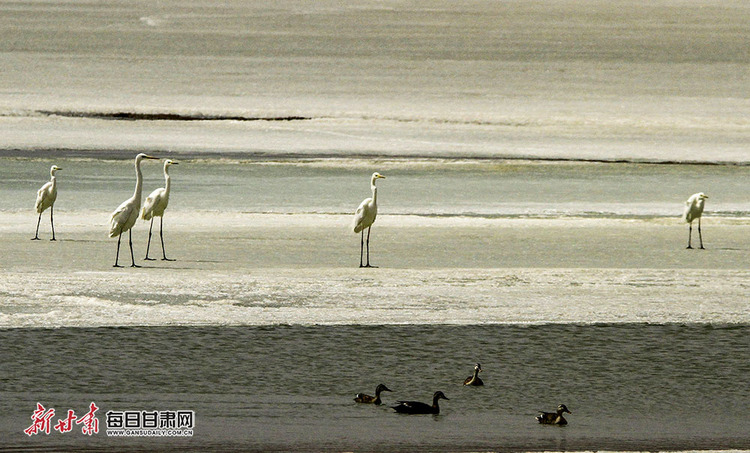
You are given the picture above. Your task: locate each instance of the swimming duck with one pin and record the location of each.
(553, 418)
(362, 398)
(415, 407)
(474, 379)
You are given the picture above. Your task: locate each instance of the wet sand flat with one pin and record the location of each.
(303, 269)
(236, 242)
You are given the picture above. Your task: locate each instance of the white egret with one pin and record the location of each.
(126, 214)
(694, 210)
(154, 206)
(365, 216)
(45, 198)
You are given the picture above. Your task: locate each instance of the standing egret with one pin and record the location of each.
(365, 216)
(154, 206)
(694, 210)
(126, 214)
(45, 198)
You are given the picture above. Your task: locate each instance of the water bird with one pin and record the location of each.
(126, 214)
(364, 217)
(694, 210)
(45, 198)
(154, 206)
(369, 399)
(553, 418)
(474, 379)
(416, 407)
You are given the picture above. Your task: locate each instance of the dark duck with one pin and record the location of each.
(415, 407)
(474, 379)
(553, 418)
(369, 399)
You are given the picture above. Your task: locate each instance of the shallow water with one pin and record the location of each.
(629, 386)
(415, 187)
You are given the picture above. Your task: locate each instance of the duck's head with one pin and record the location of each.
(382, 388)
(562, 408)
(439, 396)
(477, 368)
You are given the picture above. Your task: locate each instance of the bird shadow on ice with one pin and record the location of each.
(174, 268)
(78, 240)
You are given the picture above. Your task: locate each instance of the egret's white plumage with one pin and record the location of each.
(45, 198)
(694, 210)
(155, 205)
(126, 214)
(365, 215)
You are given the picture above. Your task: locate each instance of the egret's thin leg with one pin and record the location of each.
(700, 236)
(52, 222)
(690, 236)
(130, 240)
(161, 234)
(36, 236)
(361, 248)
(117, 256)
(148, 245)
(368, 246)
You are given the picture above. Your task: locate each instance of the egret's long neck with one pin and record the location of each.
(374, 189)
(167, 179)
(52, 178)
(138, 181)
